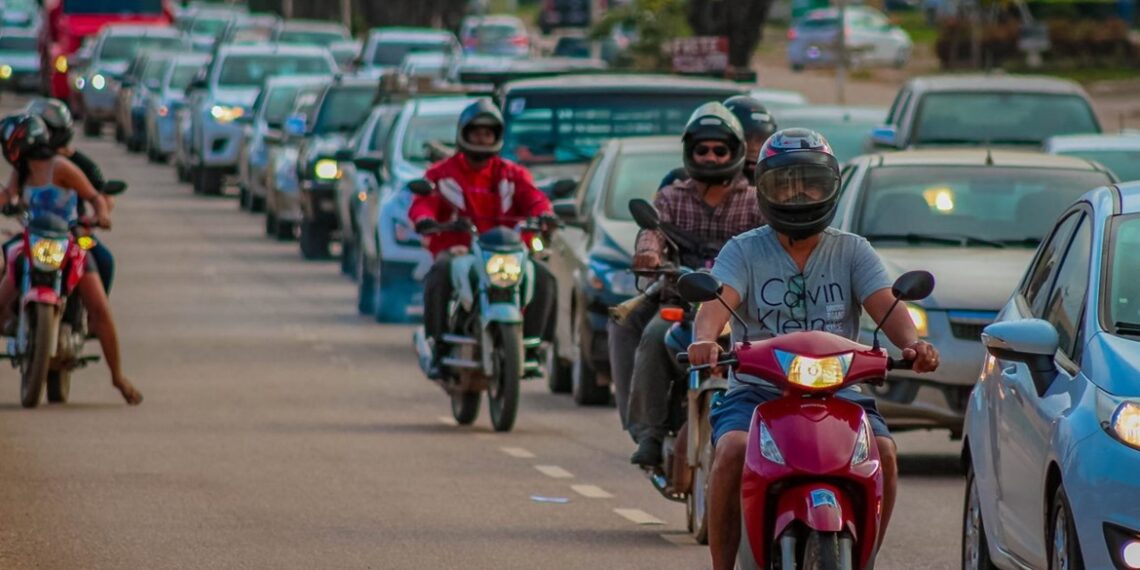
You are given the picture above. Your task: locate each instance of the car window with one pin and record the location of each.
(344, 109)
(424, 129)
(845, 177)
(17, 43)
(846, 133)
(393, 53)
(1066, 296)
(154, 70)
(1000, 118)
(636, 176)
(380, 132)
(1123, 301)
(595, 179)
(123, 48)
(277, 104)
(1048, 256)
(182, 75)
(897, 107)
(312, 37)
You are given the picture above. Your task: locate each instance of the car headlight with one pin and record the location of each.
(1120, 417)
(504, 269)
(5, 71)
(327, 169)
(98, 81)
(918, 315)
(48, 253)
(61, 63)
(226, 113)
(80, 83)
(814, 373)
(768, 447)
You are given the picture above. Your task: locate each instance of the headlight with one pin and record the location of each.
(768, 446)
(814, 373)
(536, 244)
(1120, 418)
(225, 113)
(47, 253)
(98, 81)
(5, 71)
(504, 269)
(862, 445)
(327, 169)
(918, 315)
(61, 63)
(80, 83)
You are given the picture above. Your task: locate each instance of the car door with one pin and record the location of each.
(1029, 407)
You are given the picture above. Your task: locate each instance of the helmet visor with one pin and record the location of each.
(801, 184)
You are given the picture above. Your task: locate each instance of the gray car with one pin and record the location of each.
(311, 32)
(972, 110)
(502, 35)
(385, 48)
(871, 39)
(226, 92)
(164, 102)
(282, 203)
(19, 60)
(973, 218)
(1120, 153)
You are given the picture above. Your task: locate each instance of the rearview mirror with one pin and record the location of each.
(644, 214)
(343, 155)
(113, 187)
(913, 286)
(197, 85)
(567, 210)
(374, 164)
(1032, 342)
(884, 136)
(420, 187)
(698, 287)
(563, 188)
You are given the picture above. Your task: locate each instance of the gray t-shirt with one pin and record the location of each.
(776, 298)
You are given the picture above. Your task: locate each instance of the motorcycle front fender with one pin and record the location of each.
(818, 506)
(501, 313)
(41, 295)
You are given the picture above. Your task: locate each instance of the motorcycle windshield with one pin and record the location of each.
(52, 210)
(500, 239)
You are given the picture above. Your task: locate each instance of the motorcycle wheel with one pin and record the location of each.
(465, 407)
(697, 502)
(58, 386)
(827, 551)
(44, 329)
(503, 390)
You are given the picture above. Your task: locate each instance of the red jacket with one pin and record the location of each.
(501, 189)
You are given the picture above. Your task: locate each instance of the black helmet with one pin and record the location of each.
(26, 138)
(714, 122)
(797, 182)
(58, 119)
(482, 113)
(756, 120)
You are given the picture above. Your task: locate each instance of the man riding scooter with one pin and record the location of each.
(796, 274)
(479, 185)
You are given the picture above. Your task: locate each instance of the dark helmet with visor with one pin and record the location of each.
(797, 182)
(25, 137)
(714, 122)
(57, 117)
(482, 113)
(757, 122)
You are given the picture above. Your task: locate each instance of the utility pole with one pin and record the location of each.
(841, 57)
(346, 14)
(286, 9)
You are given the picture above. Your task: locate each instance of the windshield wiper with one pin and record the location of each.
(1123, 327)
(948, 239)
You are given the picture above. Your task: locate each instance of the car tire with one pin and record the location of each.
(1064, 546)
(256, 203)
(347, 256)
(559, 372)
(270, 224)
(585, 385)
(208, 181)
(392, 298)
(314, 240)
(92, 128)
(975, 547)
(285, 230)
(120, 136)
(243, 198)
(365, 286)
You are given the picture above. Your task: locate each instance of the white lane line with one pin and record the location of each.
(638, 516)
(554, 472)
(447, 420)
(591, 491)
(517, 452)
(678, 539)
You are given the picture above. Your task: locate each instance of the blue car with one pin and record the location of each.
(1053, 427)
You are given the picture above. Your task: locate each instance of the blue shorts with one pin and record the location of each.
(733, 410)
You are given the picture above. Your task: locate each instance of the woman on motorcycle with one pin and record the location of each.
(27, 148)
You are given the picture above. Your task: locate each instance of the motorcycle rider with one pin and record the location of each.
(477, 184)
(716, 203)
(795, 274)
(758, 126)
(26, 147)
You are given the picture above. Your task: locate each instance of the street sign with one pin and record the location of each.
(701, 54)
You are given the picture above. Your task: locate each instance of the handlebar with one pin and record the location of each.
(900, 364)
(725, 359)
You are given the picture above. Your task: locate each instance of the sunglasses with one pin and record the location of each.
(719, 151)
(796, 287)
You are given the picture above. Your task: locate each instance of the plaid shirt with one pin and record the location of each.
(681, 204)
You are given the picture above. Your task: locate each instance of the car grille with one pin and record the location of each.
(968, 325)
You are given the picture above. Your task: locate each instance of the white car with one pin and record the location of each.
(871, 39)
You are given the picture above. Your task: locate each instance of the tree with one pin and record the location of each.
(741, 21)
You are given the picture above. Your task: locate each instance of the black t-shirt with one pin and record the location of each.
(90, 170)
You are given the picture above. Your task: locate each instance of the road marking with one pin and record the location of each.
(447, 420)
(554, 471)
(679, 539)
(517, 452)
(591, 491)
(638, 516)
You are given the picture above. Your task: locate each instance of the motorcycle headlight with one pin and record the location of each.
(1120, 417)
(814, 373)
(98, 81)
(327, 169)
(5, 71)
(768, 446)
(226, 113)
(504, 269)
(48, 253)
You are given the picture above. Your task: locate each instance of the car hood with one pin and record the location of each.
(236, 96)
(1115, 361)
(965, 278)
(326, 145)
(616, 240)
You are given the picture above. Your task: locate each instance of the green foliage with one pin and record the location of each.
(655, 23)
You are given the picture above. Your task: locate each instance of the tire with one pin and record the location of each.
(584, 385)
(181, 174)
(465, 407)
(825, 551)
(43, 327)
(256, 203)
(270, 224)
(59, 386)
(284, 230)
(243, 198)
(503, 390)
(92, 128)
(1064, 548)
(696, 505)
(120, 136)
(314, 241)
(975, 547)
(347, 257)
(208, 181)
(559, 373)
(366, 292)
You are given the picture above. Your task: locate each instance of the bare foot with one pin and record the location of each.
(129, 392)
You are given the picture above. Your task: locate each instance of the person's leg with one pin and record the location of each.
(622, 339)
(99, 312)
(653, 375)
(541, 313)
(437, 292)
(105, 262)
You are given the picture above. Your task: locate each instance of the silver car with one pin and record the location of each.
(871, 39)
(226, 93)
(164, 102)
(311, 32)
(1120, 153)
(385, 48)
(502, 35)
(282, 186)
(19, 60)
(973, 218)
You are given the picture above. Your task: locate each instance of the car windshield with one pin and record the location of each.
(251, 70)
(182, 76)
(987, 206)
(344, 109)
(155, 67)
(846, 135)
(637, 176)
(208, 26)
(122, 48)
(279, 103)
(424, 129)
(312, 37)
(491, 33)
(567, 128)
(1123, 304)
(17, 43)
(112, 6)
(1125, 164)
(1000, 118)
(393, 53)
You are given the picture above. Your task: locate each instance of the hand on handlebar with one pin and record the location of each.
(924, 356)
(103, 222)
(704, 352)
(643, 260)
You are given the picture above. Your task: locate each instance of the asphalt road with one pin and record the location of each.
(281, 430)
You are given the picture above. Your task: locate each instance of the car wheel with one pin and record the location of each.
(975, 547)
(92, 128)
(347, 256)
(209, 181)
(559, 373)
(1064, 549)
(585, 381)
(314, 240)
(243, 197)
(366, 285)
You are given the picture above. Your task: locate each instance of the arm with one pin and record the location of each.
(89, 169)
(529, 201)
(426, 208)
(710, 322)
(899, 328)
(650, 247)
(69, 176)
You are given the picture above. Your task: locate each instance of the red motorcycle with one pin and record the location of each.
(812, 487)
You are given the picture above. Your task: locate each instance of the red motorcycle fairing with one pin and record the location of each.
(817, 439)
(759, 358)
(74, 268)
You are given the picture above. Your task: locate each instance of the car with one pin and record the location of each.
(844, 127)
(385, 48)
(226, 91)
(565, 14)
(580, 44)
(311, 32)
(360, 165)
(341, 107)
(114, 49)
(264, 131)
(249, 28)
(972, 217)
(207, 24)
(1120, 153)
(20, 14)
(995, 110)
(430, 65)
(345, 52)
(777, 99)
(591, 256)
(19, 60)
(164, 102)
(393, 258)
(503, 35)
(1052, 443)
(282, 208)
(141, 78)
(870, 38)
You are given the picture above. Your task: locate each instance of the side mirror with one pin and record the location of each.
(563, 188)
(343, 155)
(1032, 342)
(114, 187)
(420, 187)
(567, 210)
(127, 83)
(295, 125)
(374, 164)
(698, 287)
(884, 136)
(644, 214)
(913, 286)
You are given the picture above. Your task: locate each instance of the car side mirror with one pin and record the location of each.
(913, 286)
(343, 155)
(374, 164)
(1033, 342)
(698, 287)
(563, 188)
(127, 83)
(295, 125)
(567, 210)
(884, 136)
(114, 187)
(420, 187)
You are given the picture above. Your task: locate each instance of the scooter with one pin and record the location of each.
(812, 487)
